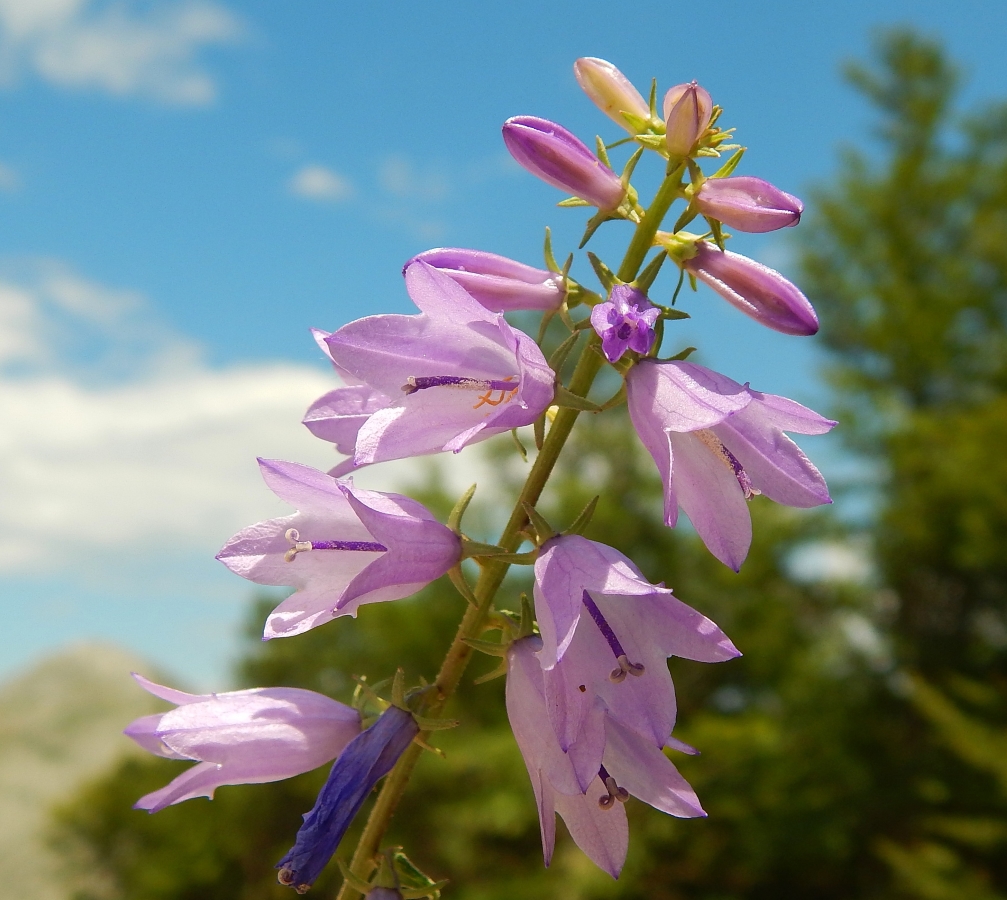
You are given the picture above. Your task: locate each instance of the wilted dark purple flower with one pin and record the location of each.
(625, 322)
(748, 204)
(367, 758)
(607, 633)
(612, 92)
(633, 765)
(498, 283)
(454, 375)
(755, 289)
(553, 154)
(344, 547)
(716, 444)
(687, 112)
(240, 737)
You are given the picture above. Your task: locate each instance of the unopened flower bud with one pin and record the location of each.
(611, 91)
(748, 204)
(553, 154)
(687, 112)
(755, 289)
(498, 283)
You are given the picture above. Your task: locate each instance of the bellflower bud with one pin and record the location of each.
(755, 289)
(498, 283)
(611, 91)
(748, 204)
(556, 156)
(687, 112)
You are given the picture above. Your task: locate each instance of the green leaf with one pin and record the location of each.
(569, 400)
(732, 163)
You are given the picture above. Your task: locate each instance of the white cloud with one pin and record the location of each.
(315, 182)
(401, 177)
(125, 49)
(831, 561)
(92, 469)
(9, 179)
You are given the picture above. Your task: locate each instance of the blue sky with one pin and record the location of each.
(187, 187)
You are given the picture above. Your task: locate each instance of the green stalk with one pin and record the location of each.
(493, 572)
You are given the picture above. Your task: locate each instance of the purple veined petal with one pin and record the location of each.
(603, 834)
(644, 771)
(775, 464)
(625, 322)
(709, 492)
(788, 415)
(553, 154)
(682, 396)
(755, 289)
(307, 489)
(144, 732)
(420, 549)
(748, 204)
(496, 282)
(166, 693)
(291, 729)
(674, 743)
(199, 781)
(612, 92)
(677, 629)
(338, 415)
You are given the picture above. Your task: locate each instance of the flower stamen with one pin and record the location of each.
(625, 666)
(729, 459)
(299, 546)
(614, 791)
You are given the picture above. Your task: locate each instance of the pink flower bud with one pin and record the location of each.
(755, 289)
(687, 112)
(611, 91)
(498, 283)
(748, 204)
(553, 154)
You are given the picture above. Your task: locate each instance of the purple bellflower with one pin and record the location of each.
(552, 153)
(240, 737)
(716, 444)
(367, 758)
(498, 283)
(607, 633)
(453, 375)
(755, 289)
(748, 204)
(343, 547)
(625, 322)
(612, 92)
(633, 765)
(687, 112)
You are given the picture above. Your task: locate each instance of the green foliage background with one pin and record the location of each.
(859, 748)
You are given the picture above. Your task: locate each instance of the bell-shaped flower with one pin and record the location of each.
(498, 283)
(716, 444)
(612, 92)
(367, 758)
(343, 547)
(625, 322)
(552, 153)
(632, 765)
(748, 204)
(755, 289)
(688, 109)
(241, 737)
(455, 374)
(607, 634)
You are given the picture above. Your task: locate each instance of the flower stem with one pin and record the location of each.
(493, 571)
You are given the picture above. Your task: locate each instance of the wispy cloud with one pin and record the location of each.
(125, 48)
(9, 178)
(320, 183)
(94, 468)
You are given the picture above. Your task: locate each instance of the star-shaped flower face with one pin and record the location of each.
(716, 444)
(455, 374)
(607, 633)
(625, 322)
(241, 737)
(343, 547)
(631, 764)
